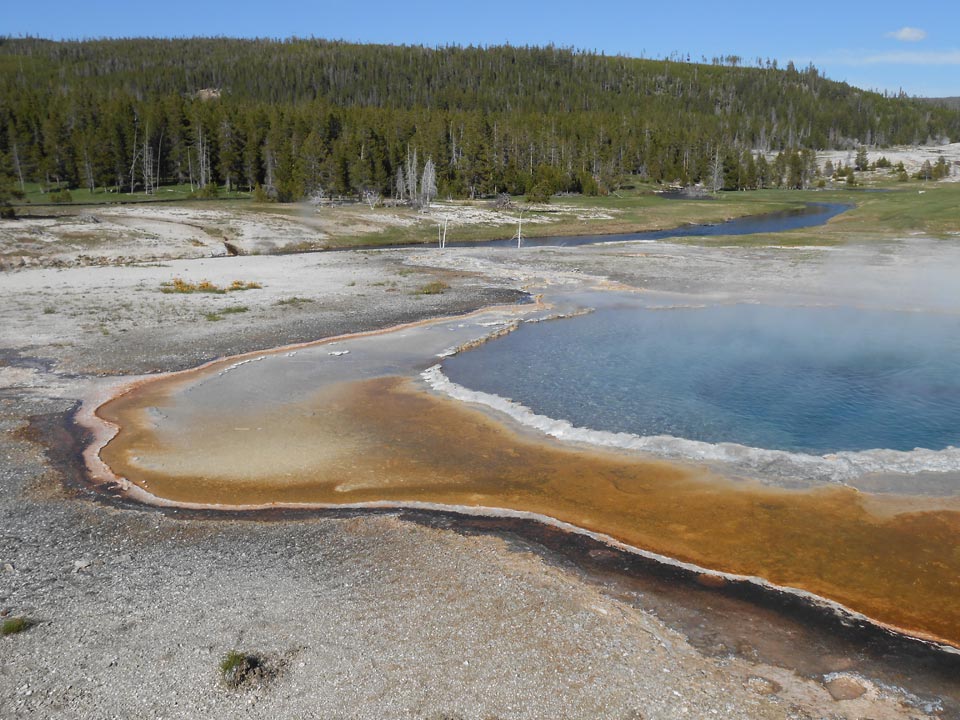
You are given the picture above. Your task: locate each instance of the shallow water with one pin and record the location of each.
(802, 379)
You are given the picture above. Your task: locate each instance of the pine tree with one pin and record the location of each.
(8, 193)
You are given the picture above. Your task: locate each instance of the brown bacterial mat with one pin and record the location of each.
(386, 440)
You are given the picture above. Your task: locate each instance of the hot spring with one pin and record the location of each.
(807, 380)
(793, 395)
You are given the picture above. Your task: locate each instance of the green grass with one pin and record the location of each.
(238, 669)
(232, 660)
(35, 195)
(920, 207)
(15, 625)
(899, 212)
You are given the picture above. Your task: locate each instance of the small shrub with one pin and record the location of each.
(12, 626)
(205, 286)
(61, 196)
(432, 288)
(241, 285)
(538, 194)
(207, 192)
(177, 285)
(260, 195)
(49, 310)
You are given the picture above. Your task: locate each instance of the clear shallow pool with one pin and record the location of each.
(799, 379)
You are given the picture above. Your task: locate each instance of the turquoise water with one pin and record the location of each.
(812, 380)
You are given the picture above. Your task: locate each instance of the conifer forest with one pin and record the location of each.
(301, 118)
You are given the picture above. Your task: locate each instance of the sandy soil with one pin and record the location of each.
(373, 615)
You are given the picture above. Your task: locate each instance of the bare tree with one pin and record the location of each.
(148, 187)
(373, 198)
(442, 234)
(319, 196)
(411, 174)
(16, 161)
(519, 236)
(136, 156)
(428, 184)
(716, 172)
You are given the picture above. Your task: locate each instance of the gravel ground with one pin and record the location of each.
(364, 616)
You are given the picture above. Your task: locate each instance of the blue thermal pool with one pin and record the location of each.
(802, 379)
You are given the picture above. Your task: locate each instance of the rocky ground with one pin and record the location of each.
(357, 615)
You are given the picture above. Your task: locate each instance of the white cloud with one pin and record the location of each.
(908, 34)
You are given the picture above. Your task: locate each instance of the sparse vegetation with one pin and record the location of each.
(239, 669)
(294, 301)
(12, 626)
(182, 287)
(219, 314)
(432, 288)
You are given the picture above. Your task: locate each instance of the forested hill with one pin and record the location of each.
(298, 116)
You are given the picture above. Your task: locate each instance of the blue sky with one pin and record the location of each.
(881, 45)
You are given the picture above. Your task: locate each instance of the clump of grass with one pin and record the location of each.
(294, 301)
(239, 668)
(181, 286)
(12, 626)
(49, 310)
(205, 286)
(432, 288)
(177, 285)
(231, 661)
(218, 314)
